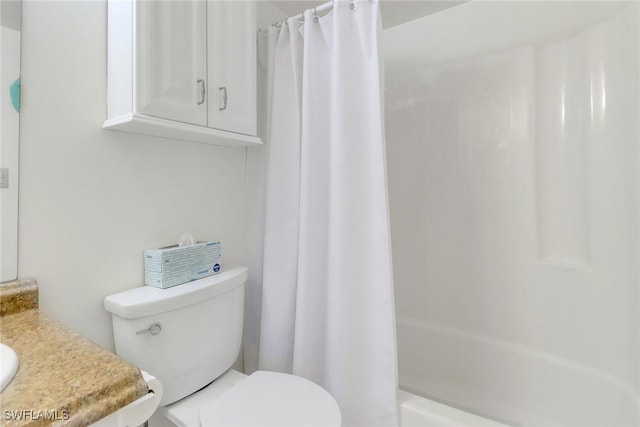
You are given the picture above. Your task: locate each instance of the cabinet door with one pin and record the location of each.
(232, 65)
(170, 60)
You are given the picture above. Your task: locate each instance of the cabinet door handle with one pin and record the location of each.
(224, 98)
(202, 91)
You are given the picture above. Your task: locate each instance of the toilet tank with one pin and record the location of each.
(187, 335)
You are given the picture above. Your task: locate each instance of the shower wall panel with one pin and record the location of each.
(514, 176)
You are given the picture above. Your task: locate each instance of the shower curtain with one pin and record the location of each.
(327, 297)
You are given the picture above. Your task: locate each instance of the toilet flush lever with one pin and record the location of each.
(154, 329)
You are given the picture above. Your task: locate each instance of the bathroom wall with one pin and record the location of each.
(514, 179)
(9, 127)
(92, 200)
(267, 13)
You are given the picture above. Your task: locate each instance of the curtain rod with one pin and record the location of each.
(324, 7)
(316, 10)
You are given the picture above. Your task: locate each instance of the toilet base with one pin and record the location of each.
(138, 411)
(186, 412)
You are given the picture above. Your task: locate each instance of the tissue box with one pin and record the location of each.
(174, 265)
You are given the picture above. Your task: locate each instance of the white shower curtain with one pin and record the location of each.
(327, 292)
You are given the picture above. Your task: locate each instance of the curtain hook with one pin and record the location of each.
(315, 14)
(352, 5)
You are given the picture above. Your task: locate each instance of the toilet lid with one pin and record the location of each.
(272, 399)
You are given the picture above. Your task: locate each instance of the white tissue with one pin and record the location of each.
(186, 240)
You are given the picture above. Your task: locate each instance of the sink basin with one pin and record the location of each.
(8, 365)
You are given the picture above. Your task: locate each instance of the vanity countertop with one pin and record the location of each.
(61, 375)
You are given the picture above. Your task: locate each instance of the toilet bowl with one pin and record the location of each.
(188, 337)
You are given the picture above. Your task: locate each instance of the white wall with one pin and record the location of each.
(514, 187)
(267, 14)
(92, 200)
(9, 134)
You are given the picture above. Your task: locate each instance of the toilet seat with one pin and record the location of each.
(272, 399)
(260, 399)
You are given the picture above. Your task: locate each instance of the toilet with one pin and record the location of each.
(188, 337)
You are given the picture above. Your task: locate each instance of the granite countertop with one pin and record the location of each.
(62, 375)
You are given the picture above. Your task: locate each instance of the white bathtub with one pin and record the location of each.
(416, 411)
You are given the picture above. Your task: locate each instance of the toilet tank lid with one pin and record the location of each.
(149, 301)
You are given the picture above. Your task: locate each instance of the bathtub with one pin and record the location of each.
(414, 411)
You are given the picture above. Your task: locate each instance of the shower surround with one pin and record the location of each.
(513, 143)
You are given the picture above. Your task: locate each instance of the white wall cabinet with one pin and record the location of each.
(171, 55)
(183, 69)
(232, 77)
